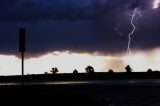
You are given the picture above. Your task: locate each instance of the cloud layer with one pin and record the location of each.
(29, 10)
(78, 26)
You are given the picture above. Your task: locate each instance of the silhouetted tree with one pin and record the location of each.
(149, 70)
(89, 69)
(45, 72)
(128, 69)
(54, 70)
(110, 71)
(75, 72)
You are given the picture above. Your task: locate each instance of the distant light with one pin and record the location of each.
(156, 4)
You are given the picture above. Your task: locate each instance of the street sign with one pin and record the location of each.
(22, 42)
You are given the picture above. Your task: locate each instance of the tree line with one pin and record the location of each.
(90, 69)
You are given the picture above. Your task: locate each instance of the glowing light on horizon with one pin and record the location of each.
(66, 62)
(156, 4)
(10, 65)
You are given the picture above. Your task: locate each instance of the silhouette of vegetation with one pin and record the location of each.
(45, 72)
(110, 71)
(89, 69)
(75, 72)
(128, 69)
(156, 71)
(149, 70)
(54, 70)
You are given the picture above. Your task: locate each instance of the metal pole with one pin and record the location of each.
(22, 63)
(22, 50)
(22, 80)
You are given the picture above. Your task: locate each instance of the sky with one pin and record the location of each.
(73, 34)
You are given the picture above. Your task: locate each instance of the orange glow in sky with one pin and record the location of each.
(67, 61)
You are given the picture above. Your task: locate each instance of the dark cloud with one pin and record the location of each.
(5, 4)
(79, 26)
(29, 10)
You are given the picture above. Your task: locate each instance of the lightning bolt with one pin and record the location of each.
(140, 16)
(117, 29)
(133, 22)
(133, 30)
(156, 4)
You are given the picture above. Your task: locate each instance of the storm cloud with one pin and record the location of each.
(76, 25)
(37, 10)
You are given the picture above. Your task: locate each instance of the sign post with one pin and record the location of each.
(22, 48)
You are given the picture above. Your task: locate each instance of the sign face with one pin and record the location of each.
(22, 33)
